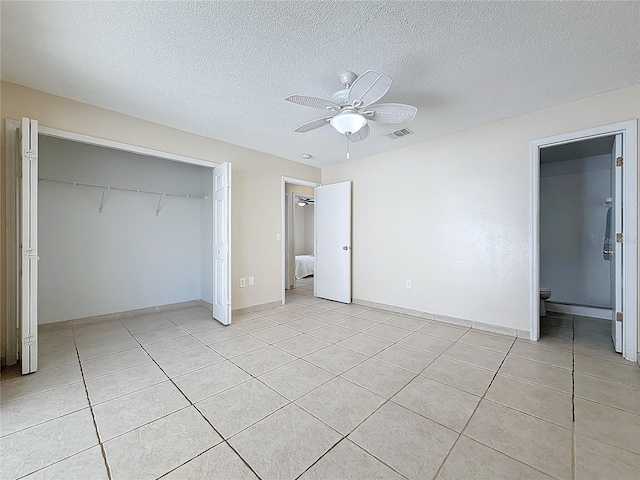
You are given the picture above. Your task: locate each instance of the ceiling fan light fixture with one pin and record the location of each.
(348, 121)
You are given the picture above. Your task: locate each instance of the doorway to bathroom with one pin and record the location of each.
(584, 212)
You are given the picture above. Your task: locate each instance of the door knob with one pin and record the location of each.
(345, 248)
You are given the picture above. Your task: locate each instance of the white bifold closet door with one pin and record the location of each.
(222, 243)
(333, 242)
(28, 217)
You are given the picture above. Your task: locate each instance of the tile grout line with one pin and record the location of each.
(460, 434)
(191, 404)
(370, 356)
(344, 437)
(477, 406)
(415, 375)
(93, 416)
(334, 376)
(289, 402)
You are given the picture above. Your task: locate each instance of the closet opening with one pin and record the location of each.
(120, 232)
(128, 245)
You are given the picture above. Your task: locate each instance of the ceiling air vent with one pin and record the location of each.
(403, 132)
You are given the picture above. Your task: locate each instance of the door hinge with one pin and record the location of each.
(619, 161)
(29, 340)
(30, 253)
(30, 154)
(619, 237)
(619, 317)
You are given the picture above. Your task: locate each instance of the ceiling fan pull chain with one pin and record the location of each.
(347, 139)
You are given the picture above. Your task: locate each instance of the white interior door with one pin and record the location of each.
(616, 261)
(333, 242)
(28, 291)
(222, 243)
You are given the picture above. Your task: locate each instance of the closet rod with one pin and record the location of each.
(124, 189)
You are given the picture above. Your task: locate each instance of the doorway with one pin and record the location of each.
(584, 207)
(298, 237)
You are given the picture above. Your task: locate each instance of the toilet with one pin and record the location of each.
(545, 294)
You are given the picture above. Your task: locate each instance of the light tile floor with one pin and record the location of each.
(320, 390)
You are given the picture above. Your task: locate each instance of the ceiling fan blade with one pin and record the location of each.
(369, 87)
(391, 112)
(312, 102)
(359, 135)
(313, 124)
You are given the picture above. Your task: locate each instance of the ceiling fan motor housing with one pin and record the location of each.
(341, 97)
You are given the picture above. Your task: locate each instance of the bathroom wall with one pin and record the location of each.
(572, 228)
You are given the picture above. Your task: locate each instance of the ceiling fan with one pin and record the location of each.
(304, 201)
(353, 106)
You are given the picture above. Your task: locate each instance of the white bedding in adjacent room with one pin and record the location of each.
(304, 266)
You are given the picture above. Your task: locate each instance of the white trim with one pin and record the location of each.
(534, 243)
(284, 181)
(629, 131)
(594, 312)
(10, 335)
(101, 142)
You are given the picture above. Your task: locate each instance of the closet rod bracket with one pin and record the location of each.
(162, 195)
(104, 191)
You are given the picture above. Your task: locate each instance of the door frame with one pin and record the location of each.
(629, 131)
(11, 125)
(283, 252)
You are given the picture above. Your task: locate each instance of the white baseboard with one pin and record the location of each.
(603, 313)
(256, 308)
(207, 305)
(126, 313)
(487, 327)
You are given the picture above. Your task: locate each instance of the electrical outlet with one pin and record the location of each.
(252, 281)
(243, 282)
(408, 284)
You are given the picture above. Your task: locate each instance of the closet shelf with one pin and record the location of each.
(106, 188)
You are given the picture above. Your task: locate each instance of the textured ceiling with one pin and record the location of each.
(223, 69)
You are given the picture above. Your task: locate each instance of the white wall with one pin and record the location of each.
(452, 213)
(309, 228)
(302, 229)
(126, 257)
(572, 227)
